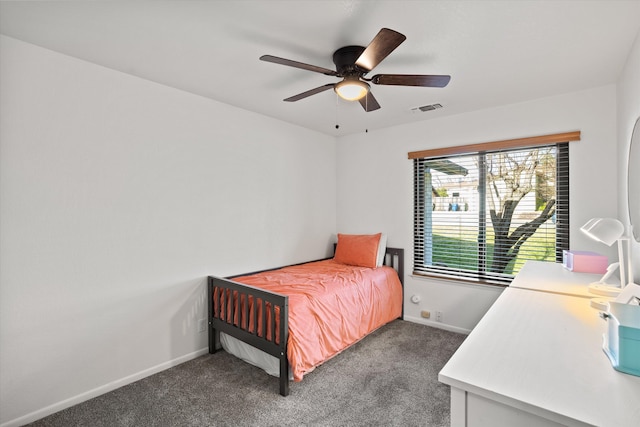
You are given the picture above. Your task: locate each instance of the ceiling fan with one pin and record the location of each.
(354, 62)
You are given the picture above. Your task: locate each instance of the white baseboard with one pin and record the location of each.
(67, 403)
(439, 325)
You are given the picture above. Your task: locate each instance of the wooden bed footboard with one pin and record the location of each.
(245, 312)
(229, 312)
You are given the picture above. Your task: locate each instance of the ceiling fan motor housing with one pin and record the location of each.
(345, 59)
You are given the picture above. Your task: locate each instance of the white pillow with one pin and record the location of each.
(382, 250)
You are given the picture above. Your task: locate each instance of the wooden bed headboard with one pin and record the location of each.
(394, 258)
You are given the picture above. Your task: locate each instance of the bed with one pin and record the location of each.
(292, 319)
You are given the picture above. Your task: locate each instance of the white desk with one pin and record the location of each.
(554, 278)
(536, 359)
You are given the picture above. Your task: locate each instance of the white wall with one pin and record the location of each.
(628, 112)
(118, 197)
(375, 191)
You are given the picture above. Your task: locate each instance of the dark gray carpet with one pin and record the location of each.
(390, 378)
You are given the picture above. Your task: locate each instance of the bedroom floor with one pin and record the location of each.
(389, 378)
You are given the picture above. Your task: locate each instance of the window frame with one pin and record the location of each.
(480, 275)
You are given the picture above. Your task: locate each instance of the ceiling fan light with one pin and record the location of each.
(351, 89)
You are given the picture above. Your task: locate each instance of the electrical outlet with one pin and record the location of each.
(202, 325)
(426, 314)
(438, 316)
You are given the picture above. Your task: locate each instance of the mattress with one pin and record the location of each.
(270, 364)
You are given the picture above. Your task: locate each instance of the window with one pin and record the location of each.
(481, 211)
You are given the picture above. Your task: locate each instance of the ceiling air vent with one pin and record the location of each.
(427, 108)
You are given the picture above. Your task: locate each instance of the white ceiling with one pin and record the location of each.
(497, 52)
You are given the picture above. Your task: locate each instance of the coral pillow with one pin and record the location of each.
(358, 249)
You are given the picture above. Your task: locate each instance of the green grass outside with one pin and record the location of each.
(460, 250)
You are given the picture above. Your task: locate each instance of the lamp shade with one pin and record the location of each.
(351, 89)
(603, 230)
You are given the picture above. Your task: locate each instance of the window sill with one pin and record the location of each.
(459, 280)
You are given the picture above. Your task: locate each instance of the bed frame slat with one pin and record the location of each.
(231, 308)
(245, 324)
(263, 316)
(223, 308)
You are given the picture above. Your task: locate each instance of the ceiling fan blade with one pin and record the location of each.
(380, 47)
(296, 64)
(369, 102)
(303, 95)
(411, 80)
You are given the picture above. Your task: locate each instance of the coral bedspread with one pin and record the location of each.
(331, 306)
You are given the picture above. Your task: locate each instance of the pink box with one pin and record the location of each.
(585, 262)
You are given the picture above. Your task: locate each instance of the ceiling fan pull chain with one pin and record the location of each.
(337, 102)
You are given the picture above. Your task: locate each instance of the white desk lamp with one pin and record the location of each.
(608, 231)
